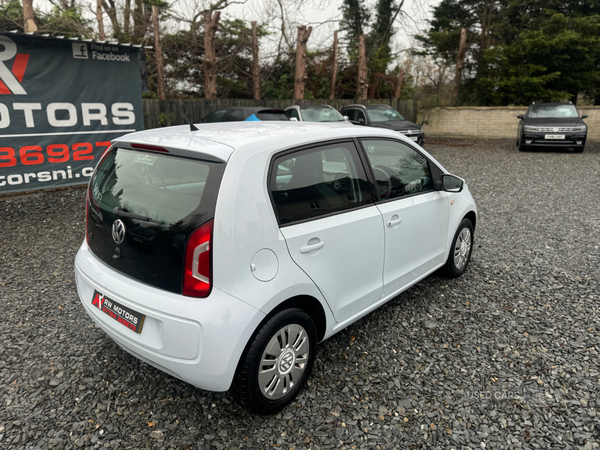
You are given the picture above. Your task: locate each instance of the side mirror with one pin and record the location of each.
(520, 116)
(293, 119)
(585, 116)
(348, 118)
(361, 121)
(451, 183)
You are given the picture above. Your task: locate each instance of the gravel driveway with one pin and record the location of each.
(507, 356)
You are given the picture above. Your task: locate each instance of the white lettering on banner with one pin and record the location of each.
(4, 116)
(69, 107)
(9, 52)
(110, 57)
(28, 109)
(122, 114)
(99, 114)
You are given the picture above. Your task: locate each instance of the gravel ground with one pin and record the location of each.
(504, 357)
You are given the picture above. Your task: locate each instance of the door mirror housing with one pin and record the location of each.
(521, 116)
(451, 183)
(293, 119)
(346, 118)
(584, 116)
(361, 121)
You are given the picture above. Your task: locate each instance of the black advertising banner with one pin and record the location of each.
(61, 103)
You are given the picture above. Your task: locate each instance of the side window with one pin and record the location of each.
(360, 115)
(311, 183)
(292, 113)
(398, 169)
(216, 116)
(351, 113)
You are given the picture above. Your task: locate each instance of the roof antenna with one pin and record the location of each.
(187, 119)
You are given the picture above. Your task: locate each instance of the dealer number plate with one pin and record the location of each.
(125, 316)
(555, 136)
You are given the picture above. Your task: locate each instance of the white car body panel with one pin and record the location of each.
(216, 329)
(417, 243)
(348, 268)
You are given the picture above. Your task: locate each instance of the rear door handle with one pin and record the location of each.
(312, 248)
(394, 222)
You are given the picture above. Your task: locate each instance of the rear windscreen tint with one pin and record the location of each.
(165, 189)
(272, 115)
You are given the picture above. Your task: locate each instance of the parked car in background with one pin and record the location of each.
(314, 113)
(552, 125)
(241, 113)
(383, 116)
(223, 255)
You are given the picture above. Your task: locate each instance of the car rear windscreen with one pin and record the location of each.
(161, 200)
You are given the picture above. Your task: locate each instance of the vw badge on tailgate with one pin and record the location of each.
(118, 231)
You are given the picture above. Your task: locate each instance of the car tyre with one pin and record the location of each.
(460, 251)
(522, 147)
(578, 149)
(276, 362)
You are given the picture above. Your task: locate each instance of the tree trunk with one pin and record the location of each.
(300, 80)
(361, 93)
(211, 24)
(399, 83)
(255, 67)
(127, 17)
(460, 62)
(29, 25)
(160, 78)
(101, 35)
(111, 10)
(334, 65)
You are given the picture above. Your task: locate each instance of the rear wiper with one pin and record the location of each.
(123, 213)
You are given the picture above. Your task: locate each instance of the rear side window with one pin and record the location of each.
(398, 169)
(351, 113)
(311, 183)
(164, 189)
(235, 115)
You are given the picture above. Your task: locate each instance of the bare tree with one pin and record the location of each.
(300, 79)
(158, 54)
(361, 93)
(255, 67)
(211, 24)
(29, 25)
(460, 61)
(334, 65)
(101, 34)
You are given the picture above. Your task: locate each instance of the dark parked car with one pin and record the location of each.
(241, 113)
(314, 113)
(383, 116)
(552, 125)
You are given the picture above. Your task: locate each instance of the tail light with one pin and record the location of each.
(197, 277)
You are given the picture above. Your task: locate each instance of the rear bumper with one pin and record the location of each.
(197, 340)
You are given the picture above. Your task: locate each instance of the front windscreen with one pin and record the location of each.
(384, 115)
(321, 114)
(552, 112)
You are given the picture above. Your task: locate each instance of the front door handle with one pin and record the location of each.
(312, 248)
(394, 221)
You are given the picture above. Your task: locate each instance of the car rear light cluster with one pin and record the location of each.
(197, 278)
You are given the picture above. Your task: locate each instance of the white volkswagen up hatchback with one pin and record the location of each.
(223, 256)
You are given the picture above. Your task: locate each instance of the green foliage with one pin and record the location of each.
(524, 50)
(11, 16)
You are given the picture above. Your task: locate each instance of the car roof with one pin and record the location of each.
(248, 108)
(377, 106)
(217, 141)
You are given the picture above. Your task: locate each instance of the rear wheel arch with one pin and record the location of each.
(311, 306)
